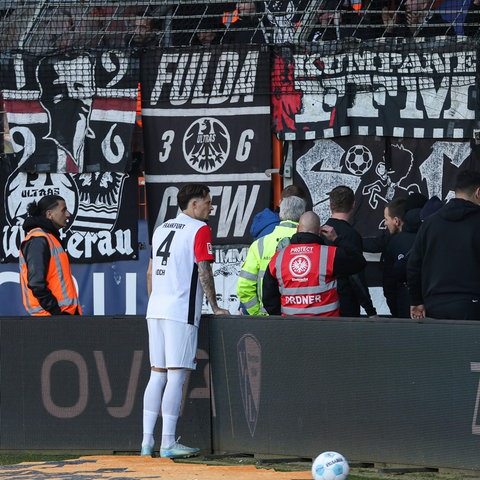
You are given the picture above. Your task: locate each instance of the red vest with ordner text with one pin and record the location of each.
(306, 282)
(59, 278)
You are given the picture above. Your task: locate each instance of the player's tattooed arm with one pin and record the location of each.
(205, 275)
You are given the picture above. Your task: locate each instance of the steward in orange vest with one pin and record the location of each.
(301, 279)
(45, 276)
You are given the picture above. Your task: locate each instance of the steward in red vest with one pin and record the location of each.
(45, 277)
(301, 279)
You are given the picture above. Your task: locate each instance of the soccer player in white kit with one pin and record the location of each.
(179, 273)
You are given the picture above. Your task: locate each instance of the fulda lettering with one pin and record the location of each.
(181, 78)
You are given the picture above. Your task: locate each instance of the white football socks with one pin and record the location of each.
(171, 403)
(152, 400)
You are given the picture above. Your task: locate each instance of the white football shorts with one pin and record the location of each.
(172, 344)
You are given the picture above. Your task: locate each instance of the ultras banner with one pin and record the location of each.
(378, 170)
(103, 226)
(409, 90)
(204, 121)
(71, 113)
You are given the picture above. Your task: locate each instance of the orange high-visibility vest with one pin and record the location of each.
(59, 278)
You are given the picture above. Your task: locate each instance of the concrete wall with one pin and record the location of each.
(378, 390)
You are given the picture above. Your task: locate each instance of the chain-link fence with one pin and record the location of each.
(43, 26)
(425, 36)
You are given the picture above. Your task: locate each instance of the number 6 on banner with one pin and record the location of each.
(244, 145)
(166, 148)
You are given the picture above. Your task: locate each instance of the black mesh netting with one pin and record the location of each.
(425, 34)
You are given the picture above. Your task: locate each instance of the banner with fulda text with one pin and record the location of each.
(206, 119)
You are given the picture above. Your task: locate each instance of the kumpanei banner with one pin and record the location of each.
(205, 121)
(103, 225)
(406, 88)
(379, 169)
(71, 113)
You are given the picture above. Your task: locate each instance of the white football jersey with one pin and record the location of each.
(177, 247)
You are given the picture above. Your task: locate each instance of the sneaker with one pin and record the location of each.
(147, 451)
(177, 450)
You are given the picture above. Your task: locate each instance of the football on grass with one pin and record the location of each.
(330, 466)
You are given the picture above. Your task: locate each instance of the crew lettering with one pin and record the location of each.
(233, 206)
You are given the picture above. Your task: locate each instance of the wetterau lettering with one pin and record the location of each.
(104, 242)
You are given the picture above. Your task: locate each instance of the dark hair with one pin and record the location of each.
(342, 199)
(47, 202)
(467, 181)
(293, 191)
(189, 191)
(433, 204)
(415, 200)
(396, 207)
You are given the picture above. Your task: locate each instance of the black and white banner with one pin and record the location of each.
(205, 121)
(103, 224)
(378, 170)
(71, 113)
(377, 90)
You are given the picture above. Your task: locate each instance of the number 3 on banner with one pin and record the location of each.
(167, 140)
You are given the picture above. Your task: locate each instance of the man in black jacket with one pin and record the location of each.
(353, 289)
(444, 264)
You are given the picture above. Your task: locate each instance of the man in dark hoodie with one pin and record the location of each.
(45, 276)
(399, 247)
(443, 266)
(301, 279)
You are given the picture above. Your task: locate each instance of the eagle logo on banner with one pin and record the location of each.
(206, 145)
(98, 231)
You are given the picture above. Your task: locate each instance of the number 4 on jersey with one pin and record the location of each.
(164, 248)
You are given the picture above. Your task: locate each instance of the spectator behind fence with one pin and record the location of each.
(421, 20)
(179, 274)
(46, 280)
(261, 251)
(352, 290)
(336, 21)
(471, 23)
(444, 264)
(243, 25)
(192, 19)
(301, 278)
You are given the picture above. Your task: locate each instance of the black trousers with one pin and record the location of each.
(454, 309)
